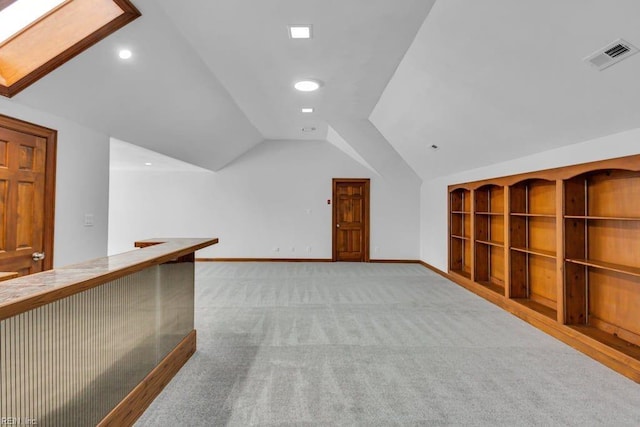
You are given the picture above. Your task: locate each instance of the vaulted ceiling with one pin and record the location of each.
(492, 80)
(485, 81)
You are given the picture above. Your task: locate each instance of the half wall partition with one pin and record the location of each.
(94, 343)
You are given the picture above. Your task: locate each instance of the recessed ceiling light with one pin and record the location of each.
(300, 31)
(125, 54)
(148, 164)
(307, 85)
(307, 110)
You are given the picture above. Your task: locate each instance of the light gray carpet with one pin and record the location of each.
(375, 344)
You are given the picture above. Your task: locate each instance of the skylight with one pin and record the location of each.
(22, 13)
(37, 36)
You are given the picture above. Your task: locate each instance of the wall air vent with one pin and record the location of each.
(611, 54)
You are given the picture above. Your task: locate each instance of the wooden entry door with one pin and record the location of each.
(27, 160)
(351, 219)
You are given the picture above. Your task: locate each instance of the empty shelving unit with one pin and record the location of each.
(489, 266)
(460, 232)
(533, 245)
(559, 248)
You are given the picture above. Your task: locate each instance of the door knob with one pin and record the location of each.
(38, 256)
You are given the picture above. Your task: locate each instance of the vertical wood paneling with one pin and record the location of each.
(542, 280)
(542, 197)
(542, 233)
(482, 257)
(496, 229)
(496, 266)
(614, 193)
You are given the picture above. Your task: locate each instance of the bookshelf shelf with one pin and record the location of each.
(618, 268)
(490, 243)
(532, 251)
(601, 218)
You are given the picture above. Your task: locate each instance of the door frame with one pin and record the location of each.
(334, 220)
(51, 138)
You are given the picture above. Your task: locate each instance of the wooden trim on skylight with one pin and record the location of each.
(57, 37)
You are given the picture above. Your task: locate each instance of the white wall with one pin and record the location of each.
(82, 184)
(433, 197)
(145, 203)
(273, 196)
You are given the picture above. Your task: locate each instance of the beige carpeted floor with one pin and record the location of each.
(375, 345)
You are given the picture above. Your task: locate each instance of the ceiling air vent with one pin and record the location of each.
(611, 54)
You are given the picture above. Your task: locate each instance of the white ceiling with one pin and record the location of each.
(131, 157)
(165, 98)
(356, 47)
(492, 80)
(486, 81)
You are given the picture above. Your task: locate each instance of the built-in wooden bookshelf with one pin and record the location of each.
(602, 256)
(533, 244)
(489, 265)
(460, 232)
(561, 249)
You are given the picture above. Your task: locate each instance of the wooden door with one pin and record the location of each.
(26, 196)
(351, 220)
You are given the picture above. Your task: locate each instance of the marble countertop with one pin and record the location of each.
(28, 292)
